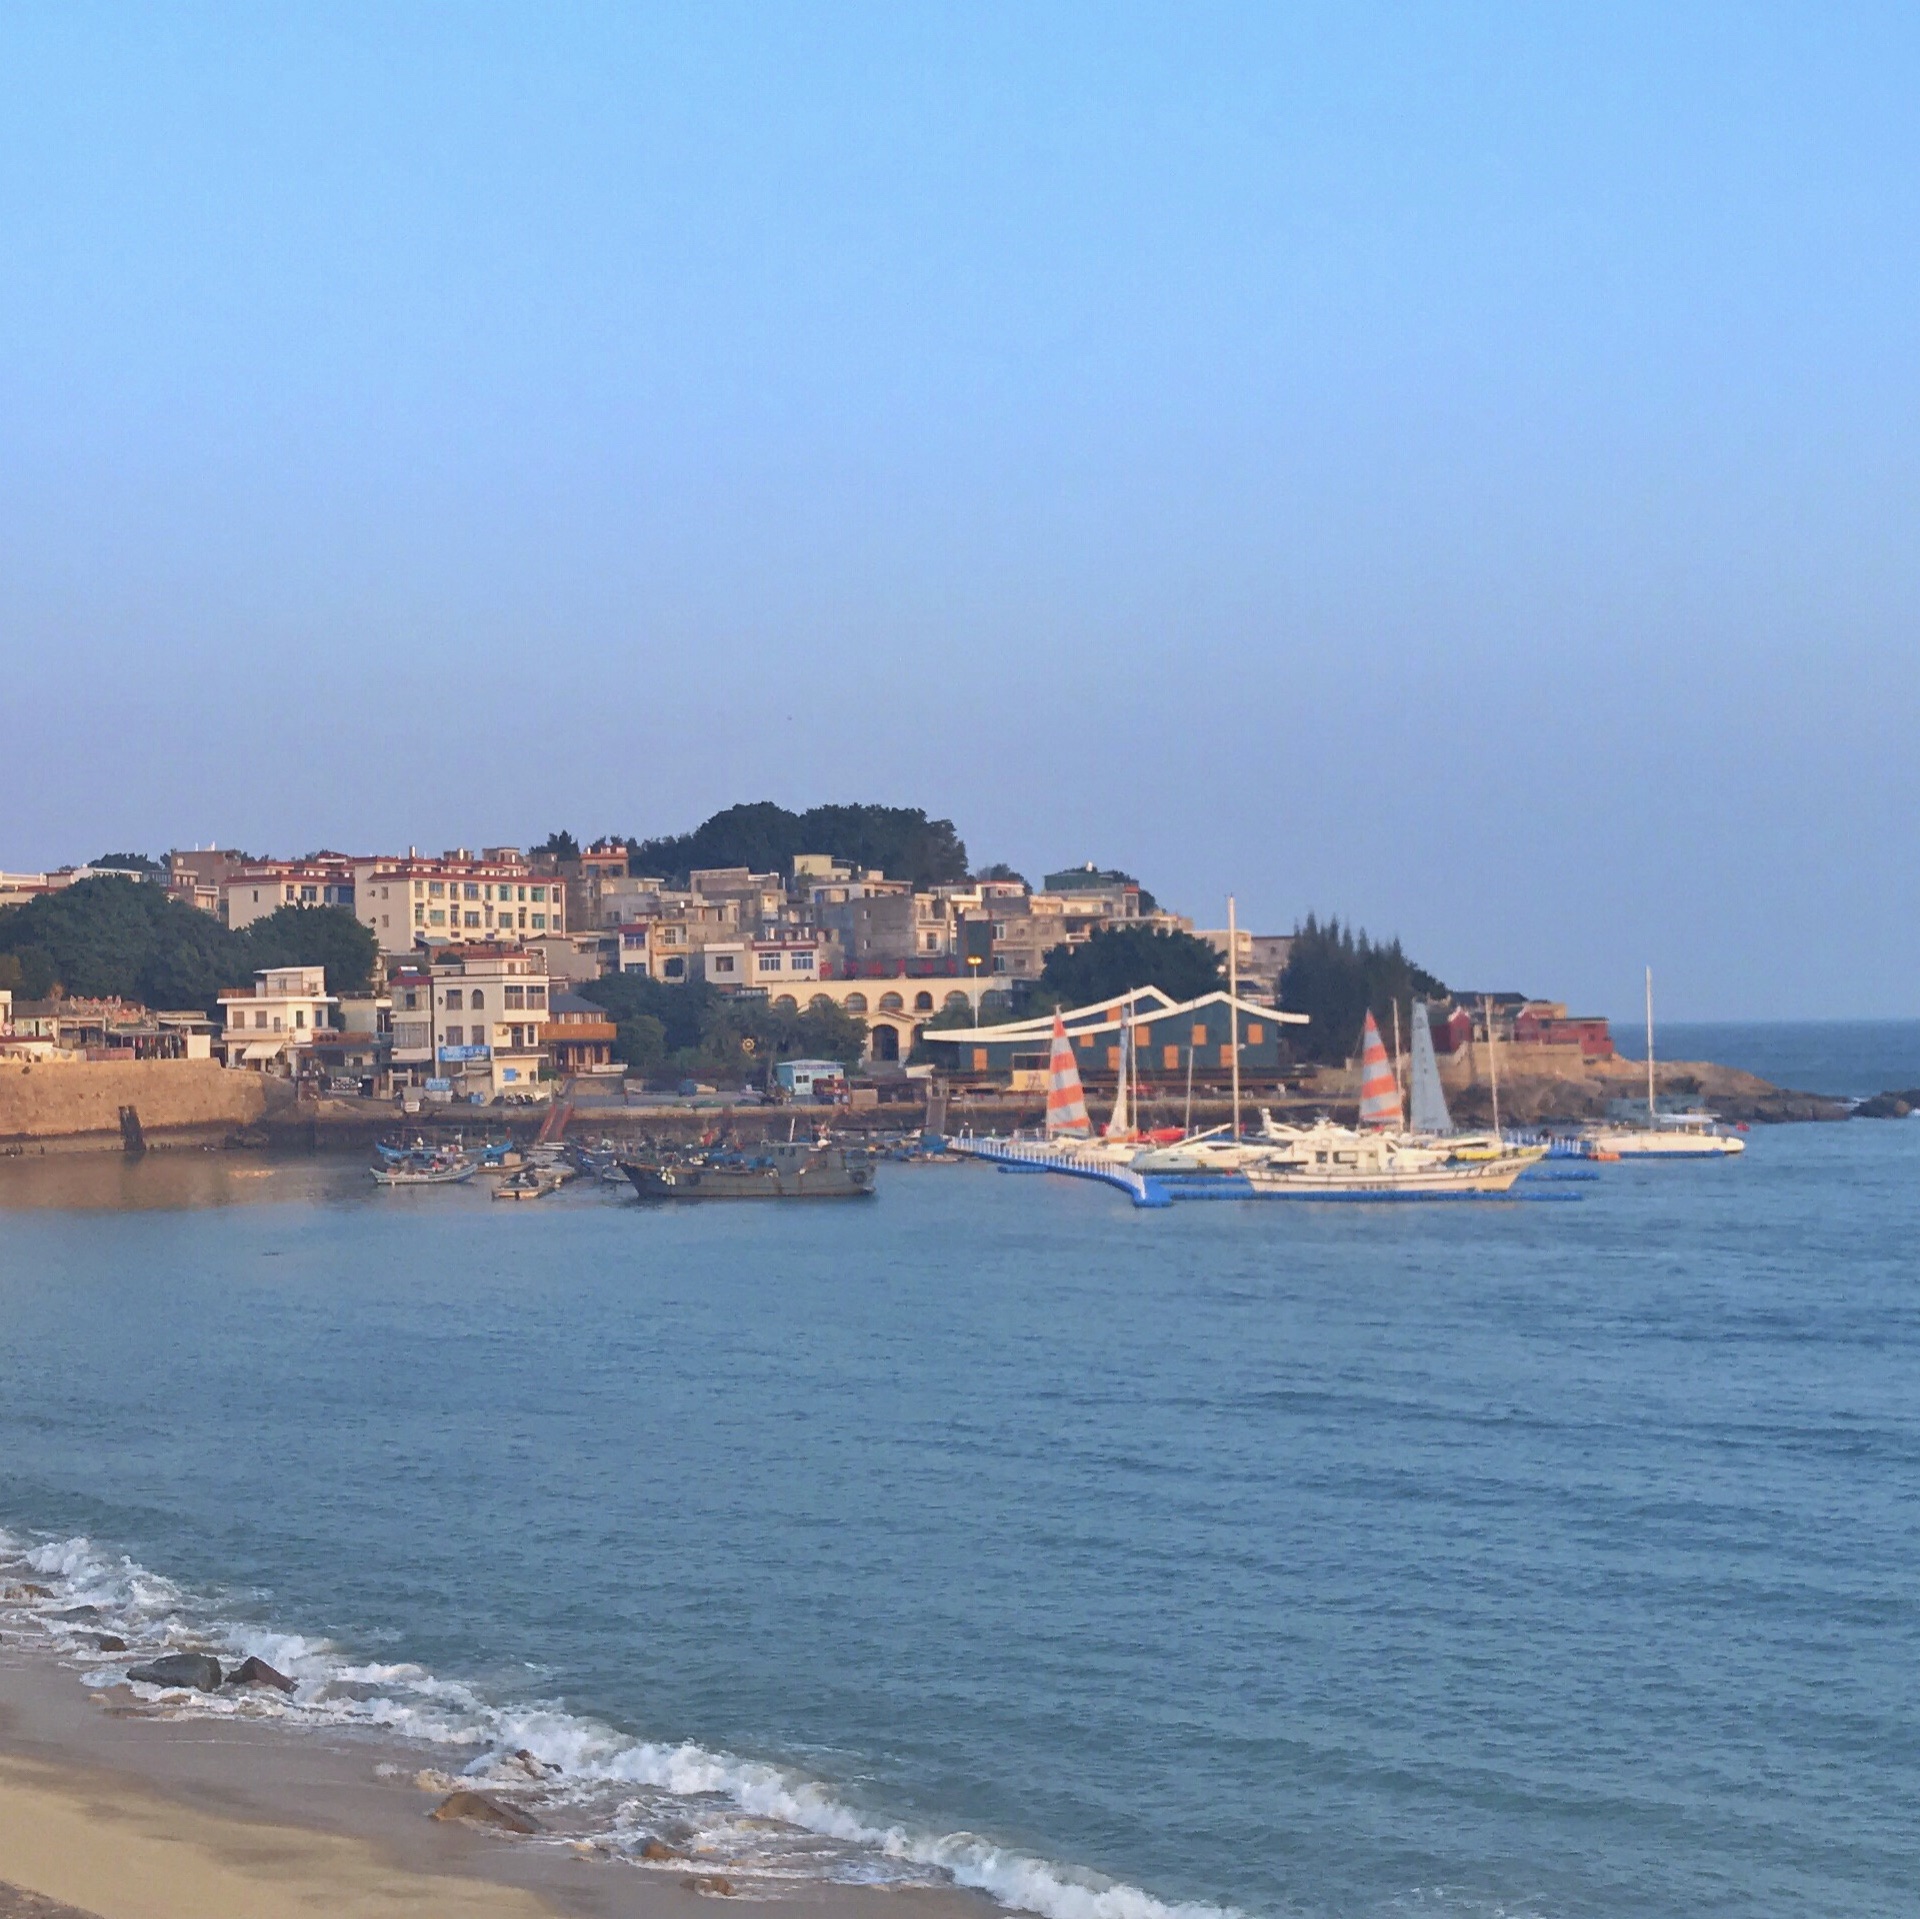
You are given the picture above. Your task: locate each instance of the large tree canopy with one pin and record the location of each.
(1120, 957)
(1335, 976)
(121, 938)
(899, 840)
(695, 1029)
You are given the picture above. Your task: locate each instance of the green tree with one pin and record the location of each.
(130, 863)
(899, 840)
(329, 936)
(1335, 976)
(1118, 958)
(559, 846)
(695, 1030)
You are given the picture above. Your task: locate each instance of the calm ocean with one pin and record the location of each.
(1553, 1559)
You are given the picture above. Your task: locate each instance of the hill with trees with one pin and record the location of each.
(121, 938)
(899, 840)
(1336, 976)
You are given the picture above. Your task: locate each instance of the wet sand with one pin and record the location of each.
(116, 1810)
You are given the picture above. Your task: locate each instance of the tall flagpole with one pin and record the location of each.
(1233, 1006)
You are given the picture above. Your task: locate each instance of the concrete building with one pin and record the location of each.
(489, 1006)
(457, 899)
(1262, 958)
(271, 1027)
(264, 886)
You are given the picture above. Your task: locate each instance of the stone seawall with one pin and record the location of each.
(81, 1100)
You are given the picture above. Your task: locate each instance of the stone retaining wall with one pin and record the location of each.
(54, 1099)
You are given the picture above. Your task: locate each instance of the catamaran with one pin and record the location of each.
(1667, 1135)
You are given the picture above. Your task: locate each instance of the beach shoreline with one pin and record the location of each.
(126, 1810)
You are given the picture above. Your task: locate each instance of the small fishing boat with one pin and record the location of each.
(528, 1182)
(436, 1172)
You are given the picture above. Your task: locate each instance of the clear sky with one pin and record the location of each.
(1450, 466)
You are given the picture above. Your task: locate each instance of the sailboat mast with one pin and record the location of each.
(1233, 1006)
(1399, 1077)
(1652, 1115)
(1493, 1062)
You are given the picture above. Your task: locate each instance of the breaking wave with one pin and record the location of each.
(647, 1803)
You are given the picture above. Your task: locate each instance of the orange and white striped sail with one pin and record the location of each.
(1066, 1102)
(1379, 1089)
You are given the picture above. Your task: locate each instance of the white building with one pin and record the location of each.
(457, 899)
(489, 1004)
(269, 1028)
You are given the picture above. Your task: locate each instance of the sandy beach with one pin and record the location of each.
(113, 1809)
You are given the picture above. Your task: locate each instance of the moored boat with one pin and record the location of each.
(781, 1169)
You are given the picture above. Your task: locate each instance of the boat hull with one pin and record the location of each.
(1473, 1181)
(1654, 1145)
(819, 1175)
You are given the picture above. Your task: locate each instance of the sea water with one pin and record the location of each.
(1555, 1559)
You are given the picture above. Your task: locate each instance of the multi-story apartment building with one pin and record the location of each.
(457, 899)
(489, 1002)
(264, 886)
(271, 1027)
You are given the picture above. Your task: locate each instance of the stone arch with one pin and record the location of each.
(786, 1003)
(957, 1003)
(886, 1042)
(855, 1003)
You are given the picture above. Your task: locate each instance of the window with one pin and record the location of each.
(769, 962)
(276, 1022)
(891, 1003)
(410, 1000)
(437, 917)
(675, 969)
(1255, 1032)
(473, 919)
(855, 1003)
(1226, 1054)
(516, 998)
(523, 892)
(923, 1002)
(723, 962)
(259, 1022)
(536, 998)
(1113, 1059)
(801, 962)
(454, 1035)
(820, 1003)
(473, 891)
(1169, 1058)
(437, 889)
(1199, 1036)
(477, 1000)
(540, 893)
(455, 1000)
(299, 1019)
(539, 922)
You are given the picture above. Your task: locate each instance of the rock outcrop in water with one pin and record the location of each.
(477, 1809)
(198, 1671)
(256, 1672)
(1889, 1105)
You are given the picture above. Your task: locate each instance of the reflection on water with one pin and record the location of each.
(168, 1181)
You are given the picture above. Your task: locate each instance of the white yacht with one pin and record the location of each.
(1337, 1162)
(1666, 1135)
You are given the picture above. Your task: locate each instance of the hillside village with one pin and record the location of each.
(496, 974)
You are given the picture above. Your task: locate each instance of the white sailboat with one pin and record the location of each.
(1667, 1135)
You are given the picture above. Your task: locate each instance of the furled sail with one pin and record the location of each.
(1120, 1121)
(1066, 1103)
(1379, 1090)
(1430, 1113)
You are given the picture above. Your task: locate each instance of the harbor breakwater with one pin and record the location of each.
(80, 1101)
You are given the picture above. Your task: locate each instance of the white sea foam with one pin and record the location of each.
(755, 1817)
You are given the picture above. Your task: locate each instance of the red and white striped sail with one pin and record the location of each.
(1066, 1102)
(1379, 1089)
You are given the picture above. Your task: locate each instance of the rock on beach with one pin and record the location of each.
(477, 1809)
(199, 1671)
(256, 1672)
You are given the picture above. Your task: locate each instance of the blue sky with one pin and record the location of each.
(1453, 467)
